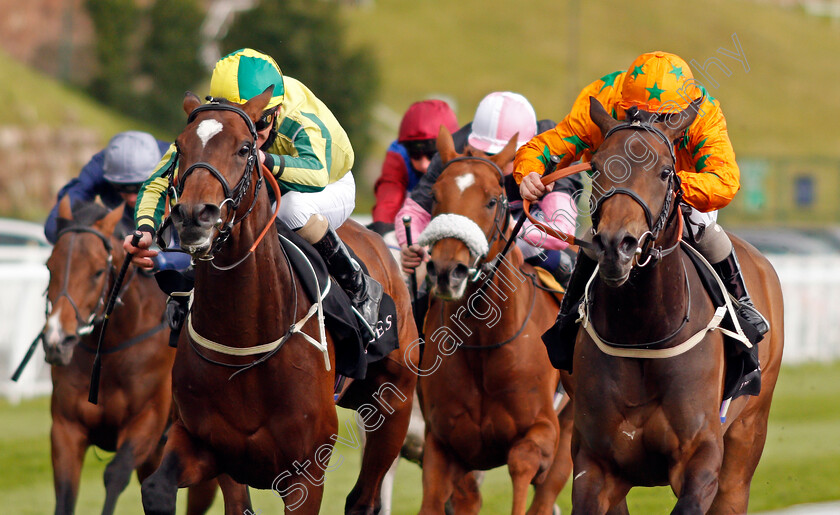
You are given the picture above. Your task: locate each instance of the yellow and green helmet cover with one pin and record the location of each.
(244, 74)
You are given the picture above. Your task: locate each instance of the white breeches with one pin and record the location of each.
(335, 202)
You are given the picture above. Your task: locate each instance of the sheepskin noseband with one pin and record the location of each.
(449, 225)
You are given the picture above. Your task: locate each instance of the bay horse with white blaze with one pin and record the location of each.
(648, 372)
(273, 424)
(135, 400)
(486, 385)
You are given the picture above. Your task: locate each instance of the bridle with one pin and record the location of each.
(646, 252)
(85, 326)
(233, 196)
(501, 218)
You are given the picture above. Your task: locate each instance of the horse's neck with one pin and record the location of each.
(253, 295)
(649, 306)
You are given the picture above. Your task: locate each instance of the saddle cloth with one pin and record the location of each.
(352, 355)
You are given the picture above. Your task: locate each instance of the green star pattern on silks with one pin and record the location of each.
(609, 80)
(701, 163)
(545, 157)
(579, 144)
(655, 92)
(677, 71)
(698, 147)
(636, 72)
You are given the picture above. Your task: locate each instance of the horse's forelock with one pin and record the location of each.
(86, 214)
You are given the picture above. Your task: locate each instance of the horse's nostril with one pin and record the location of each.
(598, 242)
(69, 340)
(460, 272)
(430, 269)
(628, 245)
(207, 215)
(177, 214)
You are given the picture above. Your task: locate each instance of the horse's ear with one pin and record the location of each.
(445, 145)
(506, 155)
(673, 124)
(110, 221)
(255, 107)
(190, 102)
(64, 208)
(600, 116)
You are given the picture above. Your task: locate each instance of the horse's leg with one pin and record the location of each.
(300, 497)
(529, 457)
(200, 497)
(117, 474)
(743, 444)
(69, 443)
(545, 493)
(595, 490)
(697, 483)
(466, 498)
(236, 496)
(386, 411)
(185, 463)
(138, 446)
(440, 474)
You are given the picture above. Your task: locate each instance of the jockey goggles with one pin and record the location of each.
(417, 149)
(130, 188)
(266, 120)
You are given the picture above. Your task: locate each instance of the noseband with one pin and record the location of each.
(85, 326)
(233, 196)
(646, 252)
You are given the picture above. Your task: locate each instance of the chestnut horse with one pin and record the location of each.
(273, 424)
(648, 412)
(135, 400)
(486, 385)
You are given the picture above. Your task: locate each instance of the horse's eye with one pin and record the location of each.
(492, 203)
(99, 273)
(666, 173)
(244, 150)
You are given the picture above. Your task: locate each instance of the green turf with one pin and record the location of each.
(799, 463)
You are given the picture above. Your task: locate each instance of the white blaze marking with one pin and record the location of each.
(53, 335)
(631, 435)
(579, 475)
(207, 129)
(464, 181)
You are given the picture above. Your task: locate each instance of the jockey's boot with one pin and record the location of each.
(176, 312)
(560, 339)
(729, 271)
(365, 292)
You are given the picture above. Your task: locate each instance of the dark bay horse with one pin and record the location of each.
(135, 400)
(273, 425)
(650, 415)
(486, 385)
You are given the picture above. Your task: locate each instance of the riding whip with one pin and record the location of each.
(413, 277)
(93, 396)
(27, 357)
